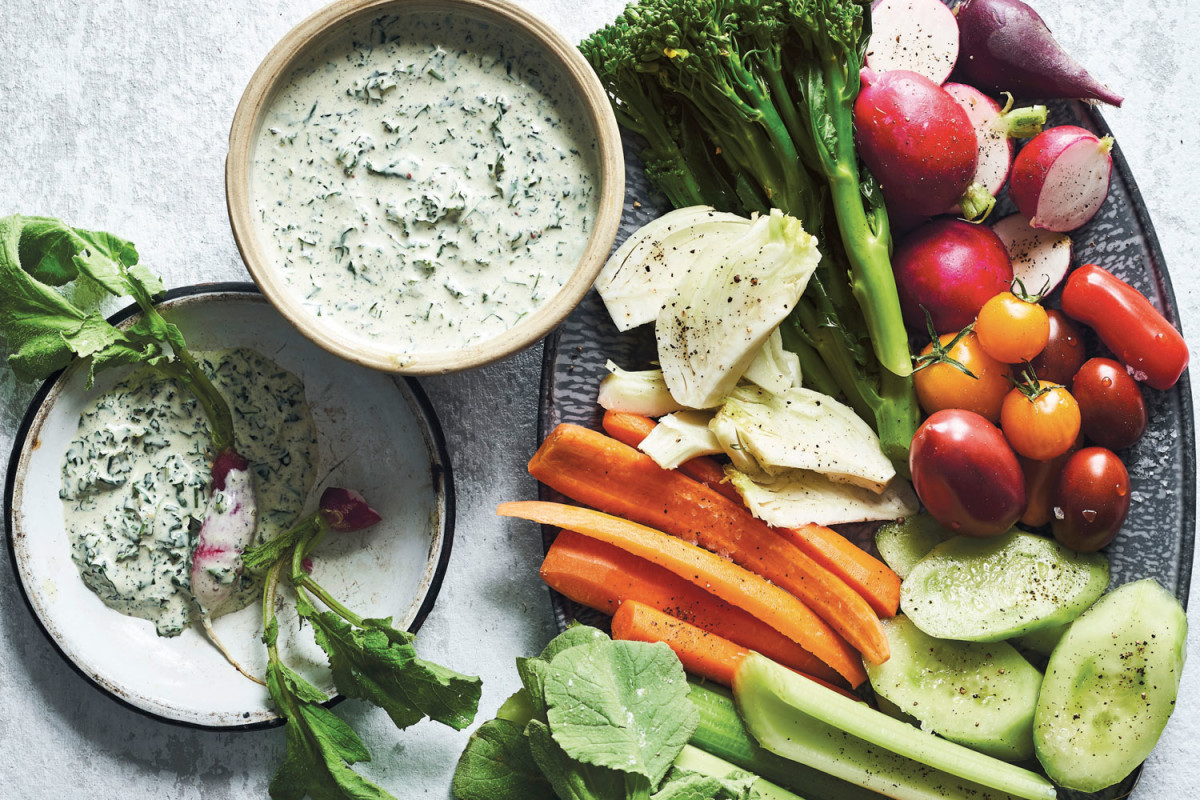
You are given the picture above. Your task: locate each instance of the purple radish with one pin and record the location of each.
(915, 139)
(949, 268)
(995, 129)
(916, 35)
(346, 510)
(1040, 259)
(1060, 179)
(1006, 47)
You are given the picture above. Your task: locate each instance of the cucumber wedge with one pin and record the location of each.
(981, 695)
(903, 543)
(796, 718)
(1110, 687)
(985, 590)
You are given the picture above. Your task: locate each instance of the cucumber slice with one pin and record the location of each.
(906, 541)
(799, 719)
(981, 695)
(1110, 687)
(1042, 641)
(985, 590)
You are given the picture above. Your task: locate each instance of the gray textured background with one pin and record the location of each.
(115, 116)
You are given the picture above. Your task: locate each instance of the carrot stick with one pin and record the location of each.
(631, 429)
(733, 584)
(861, 571)
(701, 653)
(601, 576)
(599, 471)
(864, 573)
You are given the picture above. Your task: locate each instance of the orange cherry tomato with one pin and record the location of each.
(1012, 330)
(1040, 420)
(941, 385)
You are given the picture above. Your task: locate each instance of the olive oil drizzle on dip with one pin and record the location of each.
(136, 478)
(426, 181)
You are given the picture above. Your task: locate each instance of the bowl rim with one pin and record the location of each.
(287, 53)
(419, 404)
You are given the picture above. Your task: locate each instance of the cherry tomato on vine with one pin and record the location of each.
(1011, 329)
(1091, 500)
(940, 384)
(1040, 420)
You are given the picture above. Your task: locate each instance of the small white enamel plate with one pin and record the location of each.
(377, 434)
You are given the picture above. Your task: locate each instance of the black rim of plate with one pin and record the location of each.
(443, 482)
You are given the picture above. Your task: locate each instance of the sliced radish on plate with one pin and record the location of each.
(1060, 179)
(1040, 258)
(916, 35)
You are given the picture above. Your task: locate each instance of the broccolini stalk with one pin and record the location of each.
(770, 85)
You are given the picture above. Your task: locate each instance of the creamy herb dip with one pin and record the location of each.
(425, 182)
(136, 478)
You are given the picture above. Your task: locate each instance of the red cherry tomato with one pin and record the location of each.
(1127, 324)
(1041, 481)
(1091, 500)
(1042, 425)
(966, 474)
(1110, 403)
(1064, 353)
(1012, 330)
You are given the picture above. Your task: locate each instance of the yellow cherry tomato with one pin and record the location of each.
(940, 384)
(1012, 330)
(1040, 420)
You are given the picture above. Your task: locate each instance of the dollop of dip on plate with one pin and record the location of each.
(424, 182)
(136, 478)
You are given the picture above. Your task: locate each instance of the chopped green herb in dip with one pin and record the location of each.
(425, 181)
(136, 478)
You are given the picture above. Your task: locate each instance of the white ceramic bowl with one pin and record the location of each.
(377, 433)
(316, 31)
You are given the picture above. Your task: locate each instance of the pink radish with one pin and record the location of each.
(1006, 47)
(1060, 179)
(949, 268)
(995, 128)
(230, 519)
(915, 139)
(228, 529)
(1040, 259)
(916, 35)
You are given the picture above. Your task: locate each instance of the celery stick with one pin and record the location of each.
(721, 733)
(694, 759)
(804, 721)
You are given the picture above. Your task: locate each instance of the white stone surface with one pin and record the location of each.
(115, 116)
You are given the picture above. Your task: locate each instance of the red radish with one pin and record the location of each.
(227, 530)
(230, 519)
(916, 35)
(1060, 179)
(1040, 258)
(1006, 47)
(949, 268)
(915, 139)
(995, 129)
